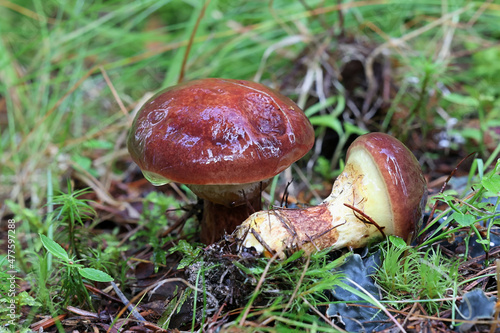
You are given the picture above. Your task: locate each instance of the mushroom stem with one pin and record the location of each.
(218, 219)
(331, 223)
(380, 192)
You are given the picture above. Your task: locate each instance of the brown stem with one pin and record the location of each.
(219, 219)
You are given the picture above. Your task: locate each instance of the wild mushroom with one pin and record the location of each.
(381, 191)
(225, 139)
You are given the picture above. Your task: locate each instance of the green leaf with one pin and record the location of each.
(243, 268)
(85, 163)
(492, 184)
(189, 252)
(462, 100)
(97, 144)
(397, 242)
(54, 248)
(320, 106)
(95, 275)
(327, 121)
(483, 241)
(293, 257)
(465, 220)
(23, 298)
(353, 129)
(185, 248)
(323, 168)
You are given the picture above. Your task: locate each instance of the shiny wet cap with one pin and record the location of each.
(218, 131)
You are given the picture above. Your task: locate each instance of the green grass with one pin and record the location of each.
(407, 274)
(73, 73)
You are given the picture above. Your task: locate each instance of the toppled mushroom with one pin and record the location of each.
(225, 139)
(381, 191)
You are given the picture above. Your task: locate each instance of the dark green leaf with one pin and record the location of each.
(54, 248)
(95, 275)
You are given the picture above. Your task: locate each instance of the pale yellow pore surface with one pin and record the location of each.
(376, 203)
(359, 185)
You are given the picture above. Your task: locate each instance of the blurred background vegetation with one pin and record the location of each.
(74, 72)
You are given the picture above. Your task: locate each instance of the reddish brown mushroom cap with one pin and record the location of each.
(218, 131)
(405, 184)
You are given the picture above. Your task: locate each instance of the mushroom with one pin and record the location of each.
(381, 191)
(225, 139)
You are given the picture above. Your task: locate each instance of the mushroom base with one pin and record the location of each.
(220, 219)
